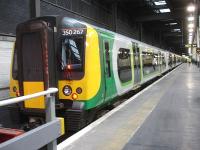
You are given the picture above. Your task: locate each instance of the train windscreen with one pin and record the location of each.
(72, 52)
(72, 57)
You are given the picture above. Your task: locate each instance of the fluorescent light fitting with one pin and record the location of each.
(191, 25)
(172, 23)
(160, 3)
(191, 18)
(191, 8)
(177, 30)
(189, 49)
(165, 10)
(190, 30)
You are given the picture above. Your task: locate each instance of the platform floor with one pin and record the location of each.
(165, 116)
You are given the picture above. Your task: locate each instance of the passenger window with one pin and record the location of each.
(107, 55)
(124, 65)
(150, 62)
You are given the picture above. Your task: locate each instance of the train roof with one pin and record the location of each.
(71, 22)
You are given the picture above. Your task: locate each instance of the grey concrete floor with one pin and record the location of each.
(164, 117)
(175, 122)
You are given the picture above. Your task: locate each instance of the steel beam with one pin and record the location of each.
(114, 16)
(140, 31)
(113, 1)
(175, 34)
(165, 16)
(34, 7)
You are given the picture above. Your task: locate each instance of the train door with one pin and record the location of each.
(107, 69)
(136, 55)
(160, 61)
(34, 50)
(170, 61)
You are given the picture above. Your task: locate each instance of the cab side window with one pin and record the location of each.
(107, 57)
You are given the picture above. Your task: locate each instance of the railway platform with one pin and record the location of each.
(163, 116)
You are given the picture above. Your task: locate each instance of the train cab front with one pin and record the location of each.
(80, 72)
(33, 66)
(57, 52)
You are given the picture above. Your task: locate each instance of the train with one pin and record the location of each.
(91, 67)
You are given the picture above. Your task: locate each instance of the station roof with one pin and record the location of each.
(166, 16)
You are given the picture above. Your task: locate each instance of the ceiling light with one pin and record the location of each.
(190, 34)
(191, 18)
(190, 30)
(190, 37)
(190, 40)
(160, 3)
(189, 49)
(173, 23)
(177, 30)
(191, 8)
(165, 10)
(191, 25)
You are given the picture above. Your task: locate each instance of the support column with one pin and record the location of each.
(114, 16)
(34, 6)
(198, 37)
(160, 39)
(140, 31)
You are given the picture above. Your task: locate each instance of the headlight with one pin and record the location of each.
(67, 90)
(79, 90)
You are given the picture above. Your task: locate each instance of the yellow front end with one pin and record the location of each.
(29, 88)
(34, 87)
(90, 83)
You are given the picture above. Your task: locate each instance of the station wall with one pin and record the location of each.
(12, 12)
(91, 11)
(6, 45)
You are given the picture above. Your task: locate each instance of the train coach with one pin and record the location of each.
(89, 65)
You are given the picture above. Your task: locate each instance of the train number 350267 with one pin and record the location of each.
(66, 32)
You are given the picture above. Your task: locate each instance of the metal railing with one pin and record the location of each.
(45, 134)
(4, 88)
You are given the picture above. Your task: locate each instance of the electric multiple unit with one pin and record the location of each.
(89, 65)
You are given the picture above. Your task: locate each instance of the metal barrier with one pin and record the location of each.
(45, 134)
